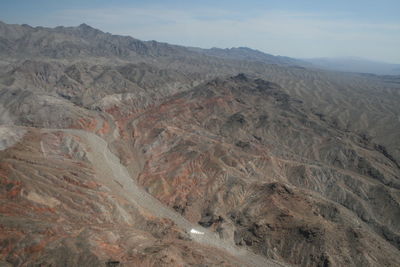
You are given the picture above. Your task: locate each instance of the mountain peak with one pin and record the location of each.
(84, 26)
(87, 28)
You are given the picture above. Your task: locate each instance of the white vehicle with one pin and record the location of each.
(194, 231)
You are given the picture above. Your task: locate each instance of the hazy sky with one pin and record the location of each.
(296, 28)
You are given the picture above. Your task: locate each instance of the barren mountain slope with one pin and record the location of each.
(257, 166)
(85, 64)
(297, 165)
(64, 204)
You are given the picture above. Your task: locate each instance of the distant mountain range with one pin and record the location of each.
(353, 64)
(245, 53)
(24, 41)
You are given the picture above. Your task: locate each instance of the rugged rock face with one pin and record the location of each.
(252, 163)
(57, 211)
(112, 150)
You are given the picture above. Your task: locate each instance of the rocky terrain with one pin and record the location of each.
(119, 152)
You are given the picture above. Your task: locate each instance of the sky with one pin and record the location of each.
(295, 28)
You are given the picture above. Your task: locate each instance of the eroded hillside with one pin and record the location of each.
(112, 150)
